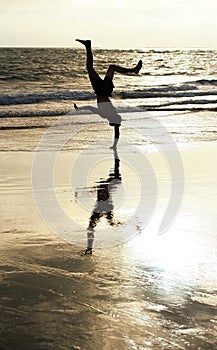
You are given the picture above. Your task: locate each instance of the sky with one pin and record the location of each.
(109, 23)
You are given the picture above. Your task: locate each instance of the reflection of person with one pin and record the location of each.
(104, 87)
(104, 205)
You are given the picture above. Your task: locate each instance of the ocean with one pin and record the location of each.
(37, 85)
(140, 290)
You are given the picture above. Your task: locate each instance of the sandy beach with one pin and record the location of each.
(151, 292)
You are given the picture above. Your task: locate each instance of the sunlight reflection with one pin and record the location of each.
(172, 252)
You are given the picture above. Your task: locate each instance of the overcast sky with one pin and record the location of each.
(109, 23)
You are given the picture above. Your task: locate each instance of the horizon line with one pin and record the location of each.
(110, 48)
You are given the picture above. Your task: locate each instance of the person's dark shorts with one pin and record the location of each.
(103, 87)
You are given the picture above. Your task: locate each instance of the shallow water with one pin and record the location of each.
(153, 292)
(24, 134)
(54, 298)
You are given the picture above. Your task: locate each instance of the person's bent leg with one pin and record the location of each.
(122, 70)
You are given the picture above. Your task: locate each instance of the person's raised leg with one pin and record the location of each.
(89, 59)
(122, 70)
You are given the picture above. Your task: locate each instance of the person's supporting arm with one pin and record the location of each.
(116, 136)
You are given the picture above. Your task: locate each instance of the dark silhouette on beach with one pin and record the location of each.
(103, 89)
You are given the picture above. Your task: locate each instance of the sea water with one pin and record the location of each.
(37, 85)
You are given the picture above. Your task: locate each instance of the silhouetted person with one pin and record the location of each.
(103, 88)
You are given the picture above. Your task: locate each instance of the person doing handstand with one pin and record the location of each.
(103, 89)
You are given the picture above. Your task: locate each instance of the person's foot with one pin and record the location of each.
(86, 43)
(138, 67)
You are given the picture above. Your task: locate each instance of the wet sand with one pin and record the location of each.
(153, 292)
